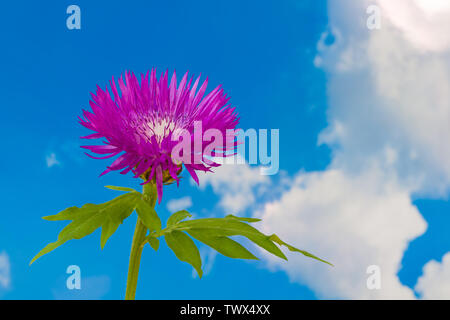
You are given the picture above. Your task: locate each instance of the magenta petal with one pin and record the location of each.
(93, 136)
(192, 173)
(105, 157)
(101, 149)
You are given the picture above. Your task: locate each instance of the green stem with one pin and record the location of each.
(135, 259)
(149, 195)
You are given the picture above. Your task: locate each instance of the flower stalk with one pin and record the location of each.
(140, 232)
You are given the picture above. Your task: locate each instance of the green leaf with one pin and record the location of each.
(88, 218)
(120, 188)
(185, 249)
(148, 215)
(232, 227)
(177, 217)
(154, 242)
(230, 216)
(276, 239)
(223, 245)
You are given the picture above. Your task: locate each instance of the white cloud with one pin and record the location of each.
(51, 160)
(352, 221)
(184, 203)
(386, 92)
(5, 271)
(433, 6)
(423, 22)
(435, 281)
(237, 184)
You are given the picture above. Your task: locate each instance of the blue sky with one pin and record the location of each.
(266, 55)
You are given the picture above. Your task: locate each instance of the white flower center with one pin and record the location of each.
(160, 128)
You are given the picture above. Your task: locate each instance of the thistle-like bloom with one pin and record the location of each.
(142, 125)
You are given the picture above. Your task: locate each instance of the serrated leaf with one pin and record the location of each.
(177, 217)
(148, 215)
(230, 216)
(222, 244)
(88, 218)
(154, 242)
(276, 239)
(232, 227)
(120, 188)
(185, 249)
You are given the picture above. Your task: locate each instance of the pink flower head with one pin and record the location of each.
(142, 125)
